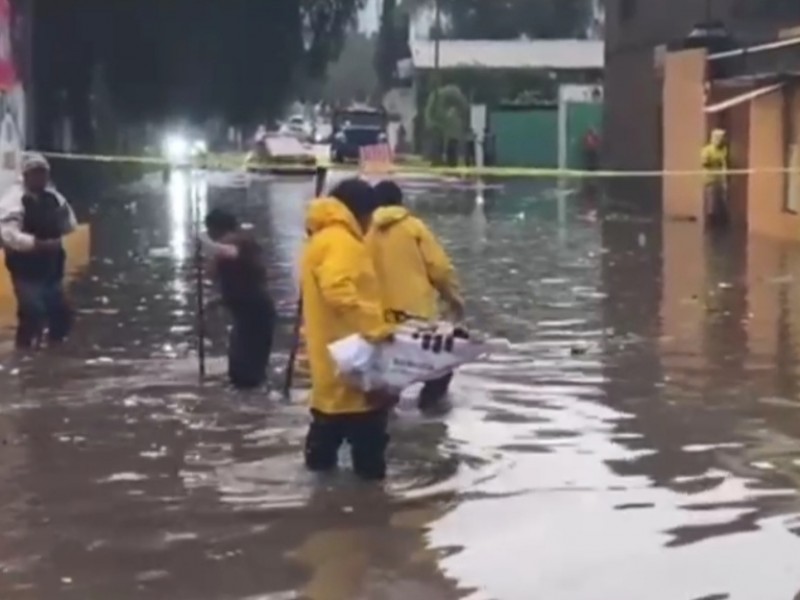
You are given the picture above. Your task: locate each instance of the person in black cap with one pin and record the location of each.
(34, 218)
(237, 263)
(341, 298)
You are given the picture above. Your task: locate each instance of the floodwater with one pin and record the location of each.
(638, 439)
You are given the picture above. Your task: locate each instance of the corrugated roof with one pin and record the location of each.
(510, 54)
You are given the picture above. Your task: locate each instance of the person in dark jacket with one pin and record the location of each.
(34, 218)
(237, 263)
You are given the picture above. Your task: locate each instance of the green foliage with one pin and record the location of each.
(509, 19)
(190, 59)
(386, 51)
(352, 77)
(447, 113)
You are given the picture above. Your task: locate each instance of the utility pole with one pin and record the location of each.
(23, 52)
(437, 41)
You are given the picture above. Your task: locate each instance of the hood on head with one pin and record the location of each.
(32, 161)
(386, 216)
(325, 212)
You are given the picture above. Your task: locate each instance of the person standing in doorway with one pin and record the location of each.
(34, 217)
(715, 163)
(237, 263)
(414, 273)
(591, 150)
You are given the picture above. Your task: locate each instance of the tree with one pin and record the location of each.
(446, 118)
(352, 77)
(510, 19)
(187, 59)
(386, 54)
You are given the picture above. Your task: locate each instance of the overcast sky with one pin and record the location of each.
(368, 19)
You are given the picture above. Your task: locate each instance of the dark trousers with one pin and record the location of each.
(40, 304)
(716, 205)
(249, 349)
(433, 391)
(366, 433)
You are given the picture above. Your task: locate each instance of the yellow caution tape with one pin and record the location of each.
(237, 163)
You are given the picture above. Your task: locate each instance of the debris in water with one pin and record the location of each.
(117, 477)
(159, 252)
(579, 350)
(103, 360)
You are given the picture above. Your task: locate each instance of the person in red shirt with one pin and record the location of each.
(591, 149)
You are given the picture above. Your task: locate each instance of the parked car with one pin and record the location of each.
(280, 154)
(298, 126)
(355, 128)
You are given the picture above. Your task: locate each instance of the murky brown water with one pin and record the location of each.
(639, 440)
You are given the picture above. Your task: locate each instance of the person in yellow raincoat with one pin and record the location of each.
(414, 272)
(341, 297)
(715, 163)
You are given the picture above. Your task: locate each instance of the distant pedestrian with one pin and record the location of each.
(414, 272)
(591, 150)
(237, 263)
(34, 217)
(714, 157)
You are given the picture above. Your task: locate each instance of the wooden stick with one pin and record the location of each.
(319, 186)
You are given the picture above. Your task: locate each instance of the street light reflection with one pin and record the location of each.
(178, 200)
(187, 197)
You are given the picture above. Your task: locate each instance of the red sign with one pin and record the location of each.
(376, 158)
(8, 73)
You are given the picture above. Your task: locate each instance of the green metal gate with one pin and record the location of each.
(525, 137)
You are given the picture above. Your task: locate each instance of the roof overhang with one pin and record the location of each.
(777, 59)
(743, 98)
(553, 55)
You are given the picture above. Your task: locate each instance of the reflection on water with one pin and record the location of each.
(637, 439)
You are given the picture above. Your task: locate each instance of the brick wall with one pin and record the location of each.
(633, 88)
(685, 132)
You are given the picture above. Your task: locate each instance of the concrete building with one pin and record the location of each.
(637, 34)
(754, 94)
(493, 73)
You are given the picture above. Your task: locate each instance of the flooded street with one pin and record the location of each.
(639, 438)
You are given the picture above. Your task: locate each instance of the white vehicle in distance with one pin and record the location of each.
(297, 126)
(180, 151)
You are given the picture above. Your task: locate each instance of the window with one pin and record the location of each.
(627, 10)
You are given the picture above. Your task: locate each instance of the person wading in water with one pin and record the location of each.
(414, 273)
(237, 263)
(715, 163)
(341, 297)
(34, 218)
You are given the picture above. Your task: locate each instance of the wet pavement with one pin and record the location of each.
(639, 438)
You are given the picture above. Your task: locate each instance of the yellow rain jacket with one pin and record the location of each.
(340, 298)
(413, 268)
(715, 157)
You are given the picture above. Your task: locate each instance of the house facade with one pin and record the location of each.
(637, 35)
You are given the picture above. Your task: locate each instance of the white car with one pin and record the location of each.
(298, 126)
